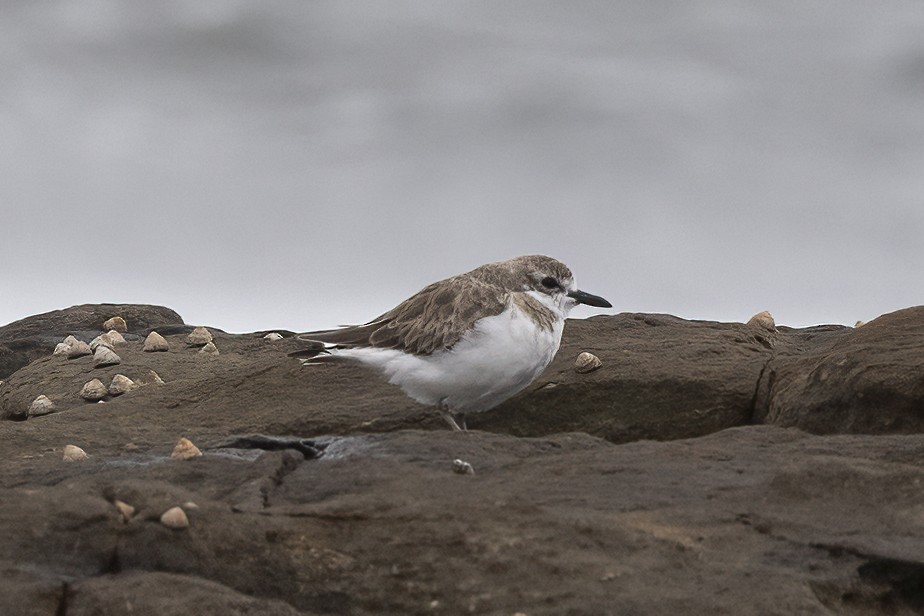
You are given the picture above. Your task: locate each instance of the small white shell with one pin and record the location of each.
(209, 349)
(79, 349)
(273, 336)
(62, 348)
(155, 342)
(151, 378)
(125, 510)
(41, 406)
(175, 518)
(73, 453)
(113, 338)
(462, 468)
(115, 324)
(586, 362)
(93, 390)
(121, 384)
(198, 337)
(185, 450)
(105, 356)
(764, 320)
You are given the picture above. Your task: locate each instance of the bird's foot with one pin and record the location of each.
(453, 419)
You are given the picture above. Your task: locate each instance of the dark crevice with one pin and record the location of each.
(286, 466)
(62, 602)
(114, 564)
(752, 410)
(882, 583)
(905, 578)
(307, 447)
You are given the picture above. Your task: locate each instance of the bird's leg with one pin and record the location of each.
(450, 417)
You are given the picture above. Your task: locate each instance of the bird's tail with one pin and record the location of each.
(315, 352)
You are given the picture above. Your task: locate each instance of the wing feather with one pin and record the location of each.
(435, 318)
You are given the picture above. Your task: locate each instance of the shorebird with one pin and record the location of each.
(467, 343)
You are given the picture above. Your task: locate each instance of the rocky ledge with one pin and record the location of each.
(689, 467)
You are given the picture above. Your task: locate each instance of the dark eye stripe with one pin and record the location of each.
(550, 283)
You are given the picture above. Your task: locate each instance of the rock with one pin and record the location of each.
(26, 340)
(125, 510)
(185, 450)
(209, 349)
(273, 336)
(586, 362)
(121, 384)
(73, 453)
(600, 509)
(764, 320)
(105, 356)
(116, 324)
(175, 518)
(155, 343)
(41, 406)
(93, 390)
(199, 337)
(868, 380)
(666, 378)
(461, 467)
(157, 593)
(79, 349)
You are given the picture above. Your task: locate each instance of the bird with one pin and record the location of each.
(466, 343)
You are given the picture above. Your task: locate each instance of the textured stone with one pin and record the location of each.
(866, 380)
(175, 518)
(73, 453)
(150, 378)
(185, 450)
(93, 390)
(764, 320)
(79, 349)
(209, 349)
(586, 362)
(116, 324)
(155, 343)
(105, 356)
(121, 384)
(125, 510)
(199, 337)
(41, 406)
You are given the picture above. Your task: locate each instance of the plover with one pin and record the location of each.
(467, 343)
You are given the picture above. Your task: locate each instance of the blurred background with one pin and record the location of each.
(300, 164)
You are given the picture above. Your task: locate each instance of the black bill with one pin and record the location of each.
(591, 300)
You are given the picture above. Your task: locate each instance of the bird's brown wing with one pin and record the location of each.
(435, 318)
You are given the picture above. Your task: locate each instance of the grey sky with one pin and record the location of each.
(301, 164)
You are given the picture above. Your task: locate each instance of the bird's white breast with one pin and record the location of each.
(497, 358)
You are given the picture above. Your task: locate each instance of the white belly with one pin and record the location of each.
(498, 358)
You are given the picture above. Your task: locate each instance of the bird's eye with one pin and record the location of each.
(550, 283)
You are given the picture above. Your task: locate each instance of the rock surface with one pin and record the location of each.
(648, 486)
(28, 339)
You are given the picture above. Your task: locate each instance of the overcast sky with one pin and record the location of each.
(297, 164)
